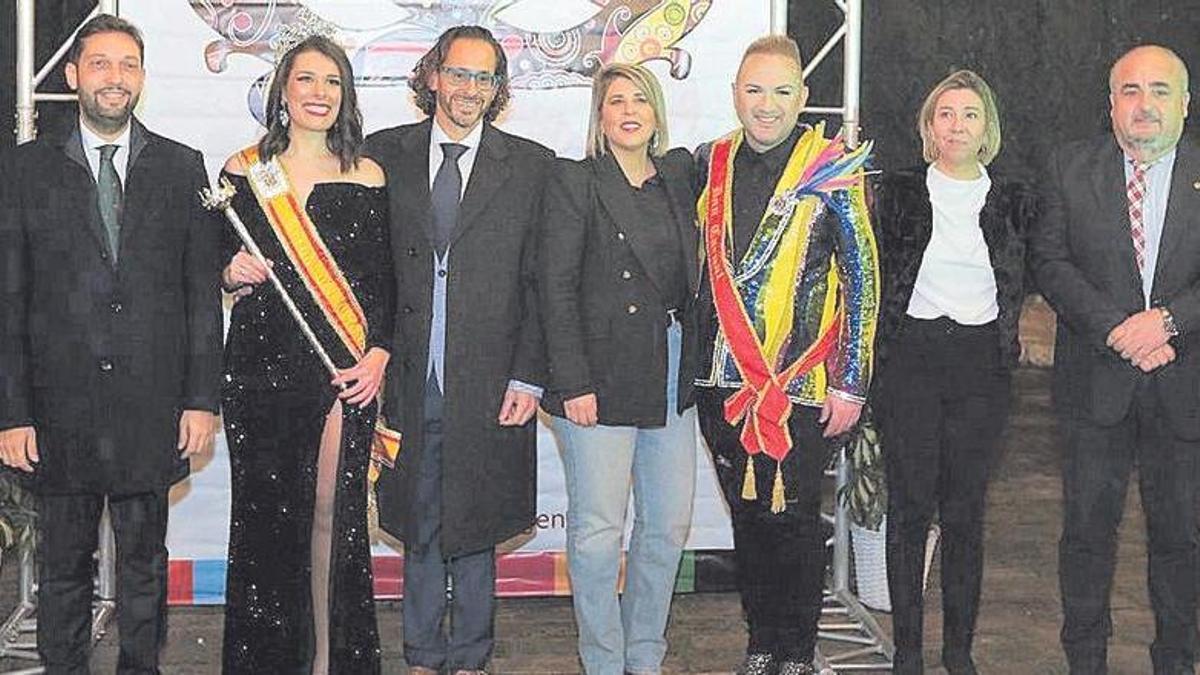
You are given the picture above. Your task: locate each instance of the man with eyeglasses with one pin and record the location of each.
(465, 200)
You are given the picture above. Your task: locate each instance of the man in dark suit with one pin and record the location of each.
(1117, 253)
(465, 202)
(110, 339)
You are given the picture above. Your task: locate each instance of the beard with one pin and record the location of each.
(103, 118)
(451, 106)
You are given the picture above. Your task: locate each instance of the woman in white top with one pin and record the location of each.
(952, 250)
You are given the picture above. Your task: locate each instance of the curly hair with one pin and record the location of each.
(431, 62)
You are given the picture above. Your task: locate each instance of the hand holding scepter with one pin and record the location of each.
(221, 198)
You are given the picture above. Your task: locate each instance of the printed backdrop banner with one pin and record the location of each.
(209, 63)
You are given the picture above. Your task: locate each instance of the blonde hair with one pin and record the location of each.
(647, 84)
(962, 79)
(775, 45)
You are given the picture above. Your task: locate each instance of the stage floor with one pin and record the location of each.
(1018, 627)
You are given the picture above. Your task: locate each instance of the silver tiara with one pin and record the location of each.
(306, 25)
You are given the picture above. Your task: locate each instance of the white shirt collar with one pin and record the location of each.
(1167, 159)
(91, 141)
(438, 136)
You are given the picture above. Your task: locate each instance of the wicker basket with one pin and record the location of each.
(870, 566)
(870, 563)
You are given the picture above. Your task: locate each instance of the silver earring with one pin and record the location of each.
(284, 118)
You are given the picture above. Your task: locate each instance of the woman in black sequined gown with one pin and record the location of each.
(299, 588)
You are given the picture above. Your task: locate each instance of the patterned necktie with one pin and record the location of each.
(1136, 191)
(109, 197)
(446, 194)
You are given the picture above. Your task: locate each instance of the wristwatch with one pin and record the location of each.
(1169, 322)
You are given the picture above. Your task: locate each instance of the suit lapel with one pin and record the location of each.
(72, 147)
(413, 180)
(490, 171)
(684, 210)
(140, 203)
(1183, 205)
(614, 192)
(1109, 192)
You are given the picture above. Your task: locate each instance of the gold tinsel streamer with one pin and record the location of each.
(778, 504)
(749, 488)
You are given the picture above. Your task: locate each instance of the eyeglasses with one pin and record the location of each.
(459, 77)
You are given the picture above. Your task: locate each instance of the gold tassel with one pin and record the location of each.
(778, 503)
(749, 483)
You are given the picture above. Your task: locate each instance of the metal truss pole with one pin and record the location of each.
(779, 16)
(18, 632)
(850, 639)
(26, 113)
(27, 79)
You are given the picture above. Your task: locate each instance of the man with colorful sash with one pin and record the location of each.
(786, 325)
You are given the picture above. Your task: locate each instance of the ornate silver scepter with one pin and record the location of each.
(221, 198)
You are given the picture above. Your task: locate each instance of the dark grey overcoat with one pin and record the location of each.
(102, 359)
(493, 335)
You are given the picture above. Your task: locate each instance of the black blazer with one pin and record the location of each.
(1084, 262)
(493, 333)
(903, 219)
(603, 315)
(101, 360)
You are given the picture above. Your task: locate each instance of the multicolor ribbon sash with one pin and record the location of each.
(762, 405)
(323, 279)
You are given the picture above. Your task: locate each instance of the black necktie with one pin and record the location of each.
(446, 193)
(108, 194)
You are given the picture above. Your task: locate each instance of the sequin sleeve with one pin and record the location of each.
(857, 262)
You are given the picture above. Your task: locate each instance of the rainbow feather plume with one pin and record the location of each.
(833, 169)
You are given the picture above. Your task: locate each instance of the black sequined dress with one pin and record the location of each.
(275, 397)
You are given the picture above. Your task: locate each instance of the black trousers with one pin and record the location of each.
(941, 404)
(780, 556)
(1097, 464)
(68, 534)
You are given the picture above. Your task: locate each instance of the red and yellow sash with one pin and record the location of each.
(322, 277)
(761, 405)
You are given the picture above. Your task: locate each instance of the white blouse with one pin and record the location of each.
(956, 277)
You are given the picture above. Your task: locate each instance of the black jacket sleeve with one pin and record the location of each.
(202, 274)
(566, 219)
(529, 361)
(15, 402)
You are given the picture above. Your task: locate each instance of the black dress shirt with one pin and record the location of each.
(660, 234)
(754, 177)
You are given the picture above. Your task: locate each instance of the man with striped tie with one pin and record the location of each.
(1117, 254)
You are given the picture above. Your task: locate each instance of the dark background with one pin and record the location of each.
(1046, 59)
